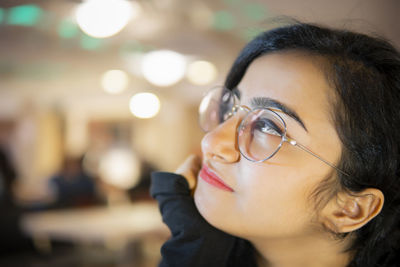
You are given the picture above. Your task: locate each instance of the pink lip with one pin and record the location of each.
(208, 176)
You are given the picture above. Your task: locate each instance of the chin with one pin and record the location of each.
(211, 208)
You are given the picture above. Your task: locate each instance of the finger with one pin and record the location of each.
(189, 169)
(195, 162)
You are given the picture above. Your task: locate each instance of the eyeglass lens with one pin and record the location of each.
(260, 133)
(215, 108)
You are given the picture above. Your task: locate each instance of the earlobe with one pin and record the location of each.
(348, 212)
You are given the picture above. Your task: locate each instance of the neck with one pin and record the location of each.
(310, 251)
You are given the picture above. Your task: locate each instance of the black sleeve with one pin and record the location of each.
(194, 242)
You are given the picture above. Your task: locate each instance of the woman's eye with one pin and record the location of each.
(268, 127)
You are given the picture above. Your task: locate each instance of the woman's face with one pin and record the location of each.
(271, 199)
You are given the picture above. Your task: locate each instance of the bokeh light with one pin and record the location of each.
(201, 72)
(104, 18)
(255, 11)
(25, 15)
(163, 67)
(90, 43)
(114, 81)
(223, 20)
(1, 15)
(68, 29)
(120, 167)
(144, 105)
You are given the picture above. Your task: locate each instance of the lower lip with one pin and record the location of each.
(213, 179)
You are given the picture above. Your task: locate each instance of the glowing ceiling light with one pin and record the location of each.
(201, 72)
(163, 67)
(144, 105)
(104, 18)
(114, 81)
(120, 167)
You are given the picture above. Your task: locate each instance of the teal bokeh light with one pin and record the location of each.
(67, 29)
(223, 20)
(255, 11)
(25, 15)
(90, 43)
(2, 12)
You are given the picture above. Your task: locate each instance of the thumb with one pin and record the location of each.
(189, 169)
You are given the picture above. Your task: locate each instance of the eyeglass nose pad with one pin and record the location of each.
(242, 111)
(235, 110)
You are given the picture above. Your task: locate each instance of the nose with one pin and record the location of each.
(220, 144)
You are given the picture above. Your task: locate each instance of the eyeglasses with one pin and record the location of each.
(261, 132)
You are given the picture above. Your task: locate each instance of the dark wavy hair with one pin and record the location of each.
(364, 73)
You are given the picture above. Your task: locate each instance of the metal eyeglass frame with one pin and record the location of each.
(285, 138)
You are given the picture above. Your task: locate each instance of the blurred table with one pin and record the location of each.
(113, 226)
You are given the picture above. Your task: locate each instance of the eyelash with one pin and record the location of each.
(270, 125)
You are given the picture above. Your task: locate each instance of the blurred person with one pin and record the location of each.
(12, 239)
(73, 186)
(7, 178)
(301, 161)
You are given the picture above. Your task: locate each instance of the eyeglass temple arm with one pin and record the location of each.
(295, 143)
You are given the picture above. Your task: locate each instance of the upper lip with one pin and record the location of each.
(214, 175)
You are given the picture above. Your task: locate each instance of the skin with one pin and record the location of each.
(282, 185)
(270, 204)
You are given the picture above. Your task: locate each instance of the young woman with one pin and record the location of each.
(301, 161)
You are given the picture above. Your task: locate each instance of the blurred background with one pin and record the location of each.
(96, 94)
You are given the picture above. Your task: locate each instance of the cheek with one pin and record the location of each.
(270, 200)
(276, 203)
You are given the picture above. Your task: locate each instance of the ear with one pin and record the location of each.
(349, 211)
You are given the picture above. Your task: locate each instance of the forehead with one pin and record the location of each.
(292, 78)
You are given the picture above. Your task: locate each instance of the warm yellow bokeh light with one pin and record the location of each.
(104, 18)
(114, 81)
(201, 72)
(144, 105)
(120, 167)
(163, 67)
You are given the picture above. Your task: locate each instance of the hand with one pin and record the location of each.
(189, 169)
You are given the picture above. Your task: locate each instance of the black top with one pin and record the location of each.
(194, 242)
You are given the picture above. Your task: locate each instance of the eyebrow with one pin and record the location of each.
(266, 102)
